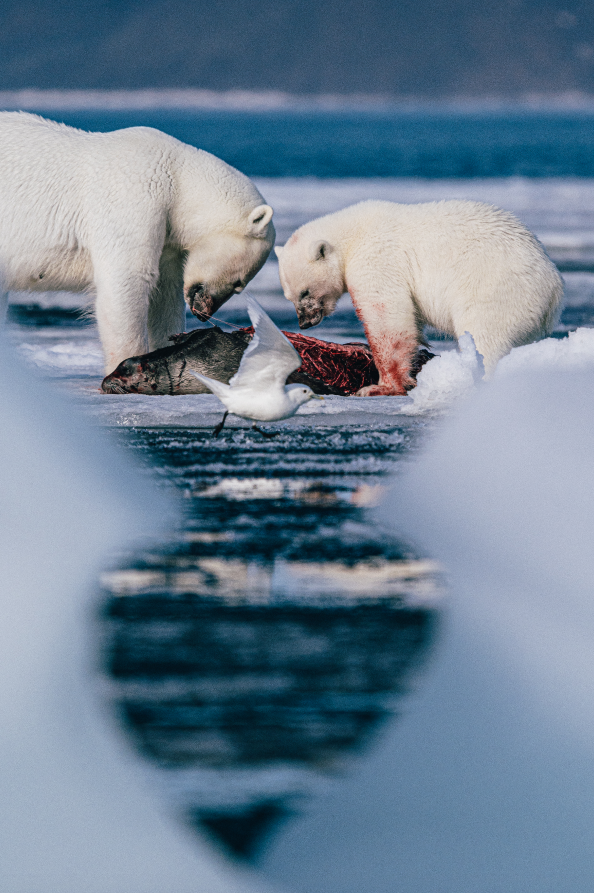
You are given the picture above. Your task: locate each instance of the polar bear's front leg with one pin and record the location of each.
(122, 315)
(391, 328)
(3, 299)
(167, 307)
(393, 354)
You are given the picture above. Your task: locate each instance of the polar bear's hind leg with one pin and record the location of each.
(499, 324)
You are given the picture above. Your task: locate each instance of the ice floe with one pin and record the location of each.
(442, 383)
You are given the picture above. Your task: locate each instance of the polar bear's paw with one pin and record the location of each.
(378, 390)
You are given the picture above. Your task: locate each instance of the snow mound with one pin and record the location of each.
(494, 755)
(447, 378)
(572, 354)
(452, 376)
(76, 810)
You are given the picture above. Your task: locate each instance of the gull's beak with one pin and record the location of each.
(318, 396)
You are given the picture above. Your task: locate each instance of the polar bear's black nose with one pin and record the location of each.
(304, 293)
(238, 286)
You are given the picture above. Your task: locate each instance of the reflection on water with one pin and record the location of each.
(256, 652)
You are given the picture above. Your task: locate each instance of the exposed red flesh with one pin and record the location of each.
(345, 366)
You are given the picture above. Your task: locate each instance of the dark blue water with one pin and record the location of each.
(271, 634)
(376, 143)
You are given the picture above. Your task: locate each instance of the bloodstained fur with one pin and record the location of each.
(394, 356)
(397, 357)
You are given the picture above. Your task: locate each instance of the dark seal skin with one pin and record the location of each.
(326, 367)
(210, 352)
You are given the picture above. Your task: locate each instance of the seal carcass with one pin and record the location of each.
(327, 368)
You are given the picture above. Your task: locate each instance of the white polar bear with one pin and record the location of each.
(459, 266)
(134, 214)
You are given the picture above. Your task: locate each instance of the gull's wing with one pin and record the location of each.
(269, 358)
(219, 388)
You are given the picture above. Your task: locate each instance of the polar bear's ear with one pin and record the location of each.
(321, 249)
(278, 250)
(259, 219)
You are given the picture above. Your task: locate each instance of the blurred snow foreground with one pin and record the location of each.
(75, 815)
(485, 784)
(501, 798)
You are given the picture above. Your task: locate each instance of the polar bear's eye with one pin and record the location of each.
(304, 293)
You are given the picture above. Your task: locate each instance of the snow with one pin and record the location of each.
(447, 378)
(442, 382)
(513, 467)
(485, 783)
(76, 811)
(576, 352)
(64, 356)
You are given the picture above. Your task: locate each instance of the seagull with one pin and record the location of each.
(258, 391)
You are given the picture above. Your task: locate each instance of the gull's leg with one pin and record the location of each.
(219, 427)
(265, 433)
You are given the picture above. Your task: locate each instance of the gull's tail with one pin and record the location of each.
(217, 387)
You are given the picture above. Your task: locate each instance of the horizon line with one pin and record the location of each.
(188, 98)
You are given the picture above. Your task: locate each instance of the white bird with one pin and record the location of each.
(258, 391)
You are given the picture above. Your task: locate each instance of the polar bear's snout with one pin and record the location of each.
(309, 317)
(203, 302)
(310, 310)
(199, 301)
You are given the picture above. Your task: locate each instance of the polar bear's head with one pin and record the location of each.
(224, 259)
(311, 277)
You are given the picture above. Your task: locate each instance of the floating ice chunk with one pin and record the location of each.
(513, 521)
(447, 378)
(574, 353)
(75, 356)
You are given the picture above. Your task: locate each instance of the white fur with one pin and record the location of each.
(135, 215)
(459, 266)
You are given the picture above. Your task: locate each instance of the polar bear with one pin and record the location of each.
(460, 266)
(135, 215)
